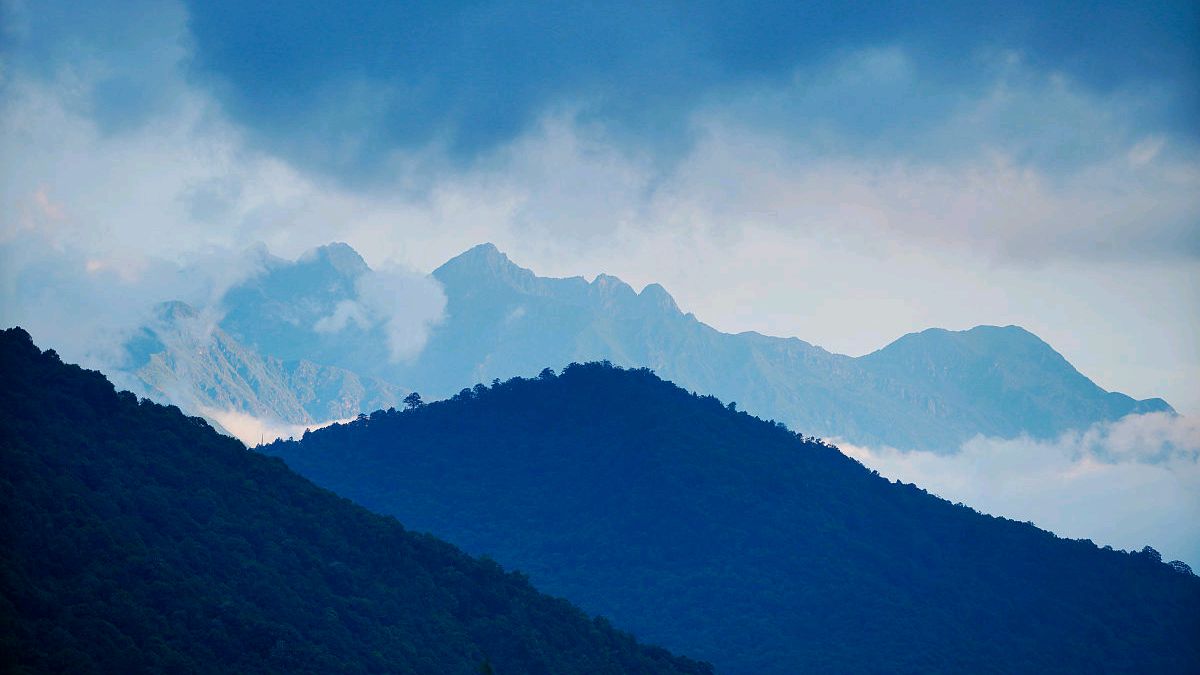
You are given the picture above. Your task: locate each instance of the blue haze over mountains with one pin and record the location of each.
(289, 346)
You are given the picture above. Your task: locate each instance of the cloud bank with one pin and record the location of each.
(1128, 484)
(253, 430)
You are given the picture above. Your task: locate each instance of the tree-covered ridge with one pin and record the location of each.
(135, 539)
(733, 539)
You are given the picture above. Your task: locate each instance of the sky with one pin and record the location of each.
(825, 171)
(844, 173)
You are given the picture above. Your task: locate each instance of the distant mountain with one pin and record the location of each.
(730, 538)
(184, 358)
(279, 311)
(134, 539)
(931, 390)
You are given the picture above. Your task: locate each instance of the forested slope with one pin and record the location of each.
(729, 538)
(134, 539)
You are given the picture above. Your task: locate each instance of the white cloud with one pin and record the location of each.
(252, 430)
(347, 311)
(407, 304)
(1129, 483)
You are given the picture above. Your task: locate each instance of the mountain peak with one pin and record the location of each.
(482, 261)
(174, 310)
(340, 256)
(658, 296)
(484, 255)
(982, 336)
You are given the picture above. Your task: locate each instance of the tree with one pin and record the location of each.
(412, 401)
(1180, 566)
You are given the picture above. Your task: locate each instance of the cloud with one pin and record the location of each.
(252, 430)
(842, 189)
(407, 304)
(87, 304)
(1129, 483)
(342, 88)
(344, 313)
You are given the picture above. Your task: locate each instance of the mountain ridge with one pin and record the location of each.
(135, 539)
(503, 320)
(718, 534)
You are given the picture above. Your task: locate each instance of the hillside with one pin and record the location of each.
(730, 538)
(134, 539)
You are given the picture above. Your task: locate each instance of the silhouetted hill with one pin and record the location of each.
(134, 539)
(730, 538)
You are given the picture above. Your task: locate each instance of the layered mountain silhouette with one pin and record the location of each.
(931, 390)
(731, 538)
(134, 539)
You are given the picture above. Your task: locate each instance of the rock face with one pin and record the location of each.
(186, 359)
(930, 390)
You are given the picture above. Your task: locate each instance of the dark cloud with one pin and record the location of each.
(342, 86)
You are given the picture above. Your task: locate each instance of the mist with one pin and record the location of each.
(1126, 484)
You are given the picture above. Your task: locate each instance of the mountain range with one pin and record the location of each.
(184, 357)
(134, 539)
(270, 354)
(732, 539)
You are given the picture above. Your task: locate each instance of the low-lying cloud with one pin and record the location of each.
(1128, 484)
(253, 430)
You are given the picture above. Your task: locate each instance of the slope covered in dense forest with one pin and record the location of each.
(732, 539)
(134, 539)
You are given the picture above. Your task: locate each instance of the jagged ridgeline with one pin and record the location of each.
(268, 356)
(731, 539)
(134, 539)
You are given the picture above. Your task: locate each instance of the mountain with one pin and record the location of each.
(279, 311)
(730, 538)
(184, 357)
(931, 390)
(134, 539)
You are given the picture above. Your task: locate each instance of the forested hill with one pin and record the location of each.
(730, 538)
(134, 539)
